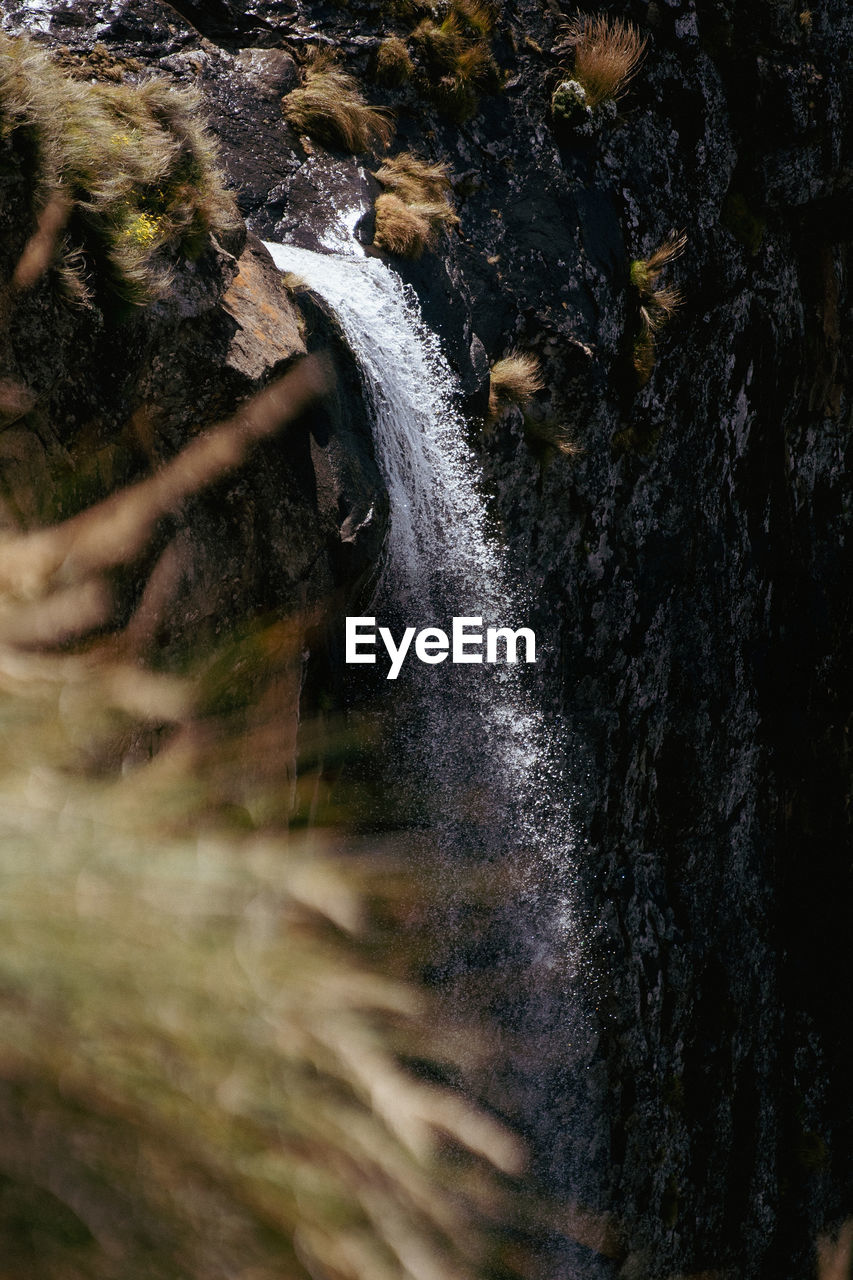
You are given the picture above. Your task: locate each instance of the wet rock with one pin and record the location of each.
(322, 202)
(273, 70)
(267, 333)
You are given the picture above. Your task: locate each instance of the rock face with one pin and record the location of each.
(691, 561)
(97, 397)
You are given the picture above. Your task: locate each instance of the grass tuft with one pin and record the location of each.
(414, 206)
(400, 229)
(439, 43)
(643, 354)
(456, 56)
(394, 64)
(546, 437)
(478, 16)
(665, 301)
(514, 380)
(413, 179)
(475, 70)
(657, 303)
(211, 1050)
(608, 53)
(406, 229)
(330, 108)
(133, 164)
(673, 247)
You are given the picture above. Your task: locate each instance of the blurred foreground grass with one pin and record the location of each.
(216, 1059)
(202, 1046)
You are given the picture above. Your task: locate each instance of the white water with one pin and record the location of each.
(477, 728)
(438, 525)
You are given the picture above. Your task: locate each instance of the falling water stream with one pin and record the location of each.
(475, 730)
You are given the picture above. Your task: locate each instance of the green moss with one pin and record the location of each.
(639, 275)
(568, 103)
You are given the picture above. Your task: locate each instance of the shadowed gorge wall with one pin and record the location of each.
(689, 559)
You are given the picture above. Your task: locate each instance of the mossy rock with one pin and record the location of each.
(569, 105)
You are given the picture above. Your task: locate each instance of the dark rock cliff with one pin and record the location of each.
(96, 397)
(690, 561)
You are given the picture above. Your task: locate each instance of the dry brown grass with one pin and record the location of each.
(643, 354)
(545, 437)
(608, 53)
(414, 207)
(439, 44)
(658, 303)
(330, 108)
(475, 68)
(514, 380)
(123, 177)
(199, 1070)
(664, 302)
(41, 246)
(414, 180)
(406, 229)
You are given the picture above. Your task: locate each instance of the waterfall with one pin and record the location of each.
(471, 729)
(438, 524)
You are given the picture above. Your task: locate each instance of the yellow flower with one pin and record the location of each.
(143, 229)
